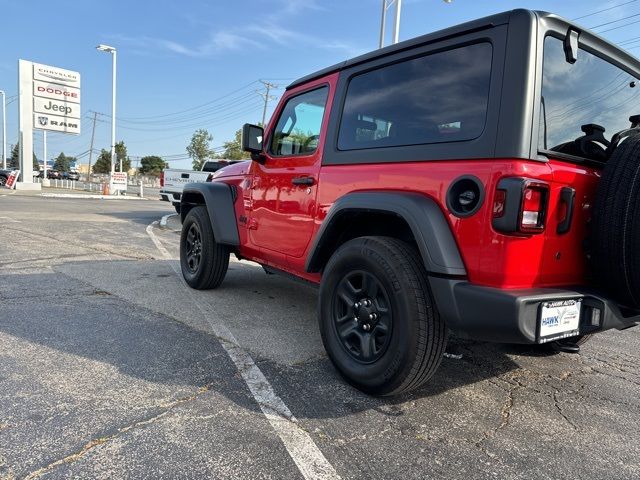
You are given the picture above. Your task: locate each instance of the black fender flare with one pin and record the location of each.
(219, 198)
(426, 220)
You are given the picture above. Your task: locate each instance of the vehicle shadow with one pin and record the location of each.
(141, 217)
(76, 318)
(316, 390)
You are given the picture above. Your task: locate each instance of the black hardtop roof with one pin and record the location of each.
(474, 25)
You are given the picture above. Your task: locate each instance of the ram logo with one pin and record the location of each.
(43, 121)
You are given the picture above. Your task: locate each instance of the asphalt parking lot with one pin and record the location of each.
(111, 368)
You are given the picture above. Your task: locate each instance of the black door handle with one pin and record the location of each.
(567, 197)
(303, 181)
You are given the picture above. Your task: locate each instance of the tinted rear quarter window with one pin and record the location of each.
(590, 91)
(440, 97)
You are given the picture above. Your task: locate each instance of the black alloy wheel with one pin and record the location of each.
(379, 324)
(362, 316)
(193, 248)
(203, 261)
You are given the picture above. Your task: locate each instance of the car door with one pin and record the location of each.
(284, 183)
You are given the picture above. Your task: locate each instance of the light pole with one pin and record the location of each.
(4, 131)
(112, 51)
(386, 4)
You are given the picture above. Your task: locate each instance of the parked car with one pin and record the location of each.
(481, 180)
(4, 175)
(172, 180)
(51, 174)
(70, 175)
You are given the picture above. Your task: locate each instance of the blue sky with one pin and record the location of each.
(190, 64)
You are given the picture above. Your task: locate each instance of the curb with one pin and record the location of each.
(96, 197)
(164, 219)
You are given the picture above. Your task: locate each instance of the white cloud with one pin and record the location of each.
(269, 30)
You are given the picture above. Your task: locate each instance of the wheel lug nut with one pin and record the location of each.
(366, 327)
(356, 305)
(355, 319)
(373, 316)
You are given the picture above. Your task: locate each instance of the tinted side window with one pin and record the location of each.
(591, 90)
(440, 97)
(298, 129)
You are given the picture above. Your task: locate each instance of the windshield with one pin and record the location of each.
(591, 91)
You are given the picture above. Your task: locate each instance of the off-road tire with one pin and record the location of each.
(213, 259)
(615, 230)
(418, 334)
(3, 181)
(177, 207)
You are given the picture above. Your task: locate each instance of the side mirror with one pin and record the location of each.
(252, 139)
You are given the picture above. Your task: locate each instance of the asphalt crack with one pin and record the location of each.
(505, 411)
(93, 443)
(556, 403)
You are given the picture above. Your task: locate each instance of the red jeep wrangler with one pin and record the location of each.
(483, 180)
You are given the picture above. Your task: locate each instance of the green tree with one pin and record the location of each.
(103, 162)
(152, 165)
(62, 163)
(13, 162)
(233, 149)
(199, 148)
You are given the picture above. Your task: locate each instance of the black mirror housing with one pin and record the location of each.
(571, 46)
(252, 136)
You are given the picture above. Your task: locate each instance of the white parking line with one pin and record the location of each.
(10, 220)
(305, 453)
(165, 253)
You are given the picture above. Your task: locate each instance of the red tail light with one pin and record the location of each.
(520, 206)
(162, 179)
(534, 207)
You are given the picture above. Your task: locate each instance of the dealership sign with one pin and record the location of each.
(55, 107)
(56, 92)
(49, 99)
(56, 99)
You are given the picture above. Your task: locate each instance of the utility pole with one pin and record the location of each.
(93, 134)
(266, 97)
(4, 131)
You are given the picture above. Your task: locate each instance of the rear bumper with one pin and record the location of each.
(511, 316)
(170, 196)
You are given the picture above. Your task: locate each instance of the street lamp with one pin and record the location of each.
(4, 131)
(112, 51)
(386, 4)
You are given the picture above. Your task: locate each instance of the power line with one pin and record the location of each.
(604, 10)
(615, 21)
(204, 116)
(620, 26)
(252, 106)
(172, 121)
(191, 108)
(629, 40)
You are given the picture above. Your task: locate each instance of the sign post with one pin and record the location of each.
(118, 182)
(25, 113)
(49, 101)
